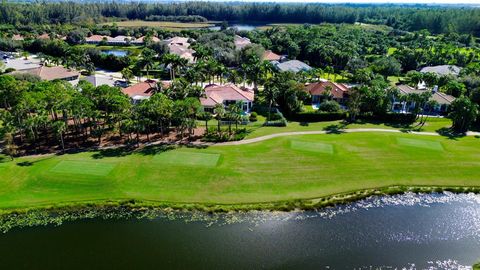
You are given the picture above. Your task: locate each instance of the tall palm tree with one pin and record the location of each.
(219, 111)
(148, 59)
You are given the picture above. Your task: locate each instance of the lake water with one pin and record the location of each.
(440, 231)
(240, 27)
(118, 53)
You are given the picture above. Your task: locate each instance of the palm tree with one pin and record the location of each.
(219, 111)
(329, 71)
(59, 127)
(206, 117)
(270, 93)
(148, 59)
(175, 62)
(127, 74)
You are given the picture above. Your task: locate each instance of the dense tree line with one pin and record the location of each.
(410, 18)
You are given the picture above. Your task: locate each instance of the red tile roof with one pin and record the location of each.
(52, 73)
(95, 38)
(217, 94)
(337, 90)
(143, 89)
(271, 56)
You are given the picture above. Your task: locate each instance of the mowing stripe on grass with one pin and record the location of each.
(83, 167)
(187, 158)
(425, 144)
(324, 148)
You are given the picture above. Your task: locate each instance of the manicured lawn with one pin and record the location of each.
(256, 129)
(83, 167)
(285, 168)
(178, 158)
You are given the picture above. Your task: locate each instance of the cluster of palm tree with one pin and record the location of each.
(44, 113)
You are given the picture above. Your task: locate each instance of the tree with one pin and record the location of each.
(270, 93)
(174, 62)
(219, 111)
(206, 116)
(387, 66)
(59, 128)
(148, 57)
(463, 113)
(75, 37)
(10, 148)
(127, 74)
(354, 103)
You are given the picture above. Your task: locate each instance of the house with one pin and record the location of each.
(44, 36)
(241, 42)
(119, 40)
(442, 70)
(97, 80)
(96, 39)
(143, 90)
(271, 56)
(182, 41)
(52, 73)
(18, 37)
(226, 95)
(401, 105)
(292, 66)
(182, 51)
(327, 90)
(141, 40)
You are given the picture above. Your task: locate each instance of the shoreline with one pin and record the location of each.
(56, 214)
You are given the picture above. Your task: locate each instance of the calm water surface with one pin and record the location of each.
(118, 53)
(440, 231)
(240, 27)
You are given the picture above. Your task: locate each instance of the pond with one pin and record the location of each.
(117, 53)
(240, 27)
(439, 231)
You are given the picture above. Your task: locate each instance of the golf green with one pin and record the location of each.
(83, 167)
(180, 158)
(312, 146)
(425, 144)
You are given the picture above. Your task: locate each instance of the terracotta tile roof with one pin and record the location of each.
(52, 73)
(17, 37)
(241, 42)
(271, 56)
(143, 89)
(217, 94)
(95, 38)
(178, 40)
(44, 36)
(182, 51)
(338, 90)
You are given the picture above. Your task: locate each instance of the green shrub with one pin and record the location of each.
(253, 117)
(329, 106)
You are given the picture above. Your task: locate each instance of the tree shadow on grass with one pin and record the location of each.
(449, 133)
(113, 152)
(25, 163)
(156, 149)
(4, 159)
(336, 128)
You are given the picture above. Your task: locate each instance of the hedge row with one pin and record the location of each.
(318, 116)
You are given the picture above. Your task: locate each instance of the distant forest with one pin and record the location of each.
(437, 20)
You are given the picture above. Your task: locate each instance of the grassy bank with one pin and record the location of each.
(172, 26)
(273, 174)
